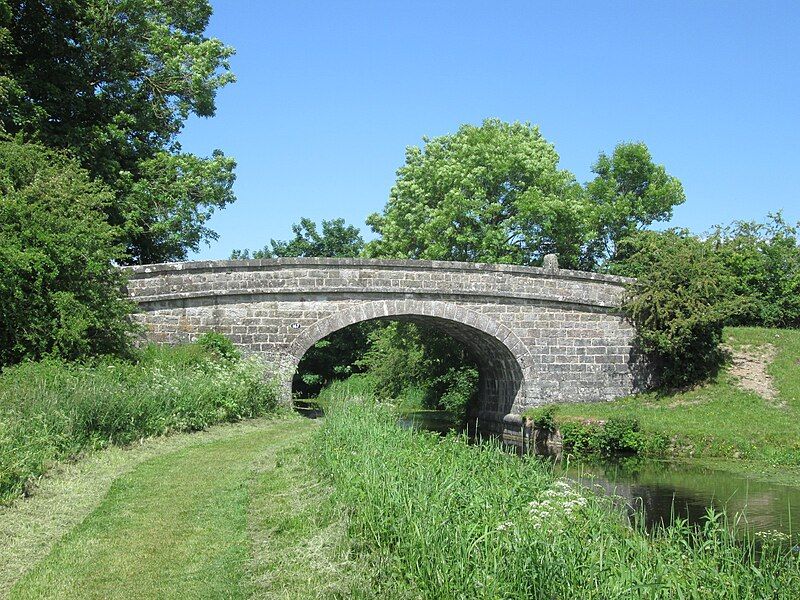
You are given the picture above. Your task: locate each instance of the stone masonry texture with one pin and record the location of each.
(540, 335)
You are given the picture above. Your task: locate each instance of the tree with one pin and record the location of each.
(332, 358)
(763, 261)
(336, 240)
(114, 81)
(629, 193)
(679, 303)
(60, 292)
(423, 364)
(495, 193)
(492, 193)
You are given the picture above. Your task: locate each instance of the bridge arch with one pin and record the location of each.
(502, 357)
(542, 334)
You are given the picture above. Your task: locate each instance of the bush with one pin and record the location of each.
(763, 262)
(51, 410)
(679, 302)
(543, 417)
(219, 346)
(407, 357)
(618, 435)
(60, 293)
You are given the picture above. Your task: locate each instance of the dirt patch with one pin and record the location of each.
(749, 366)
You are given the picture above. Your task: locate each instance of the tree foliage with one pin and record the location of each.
(763, 263)
(333, 358)
(403, 356)
(495, 193)
(679, 303)
(114, 81)
(492, 193)
(337, 239)
(628, 193)
(60, 293)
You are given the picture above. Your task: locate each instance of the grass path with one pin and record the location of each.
(209, 520)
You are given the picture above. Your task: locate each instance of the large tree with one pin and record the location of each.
(495, 193)
(492, 193)
(113, 81)
(628, 193)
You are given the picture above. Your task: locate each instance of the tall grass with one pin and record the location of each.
(439, 518)
(52, 410)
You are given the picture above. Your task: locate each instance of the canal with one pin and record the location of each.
(665, 490)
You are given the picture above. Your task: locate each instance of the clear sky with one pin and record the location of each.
(330, 93)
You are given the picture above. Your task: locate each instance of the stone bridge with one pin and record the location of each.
(540, 335)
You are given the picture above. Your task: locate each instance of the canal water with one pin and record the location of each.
(666, 490)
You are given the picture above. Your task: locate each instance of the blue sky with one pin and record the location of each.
(330, 94)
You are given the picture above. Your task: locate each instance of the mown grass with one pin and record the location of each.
(437, 518)
(719, 419)
(237, 511)
(180, 526)
(52, 410)
(72, 490)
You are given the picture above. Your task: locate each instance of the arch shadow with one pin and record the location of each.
(502, 357)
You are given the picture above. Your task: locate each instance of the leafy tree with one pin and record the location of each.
(333, 358)
(406, 356)
(492, 193)
(679, 302)
(60, 293)
(629, 193)
(495, 193)
(763, 262)
(114, 81)
(336, 240)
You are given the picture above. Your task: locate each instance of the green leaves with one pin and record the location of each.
(495, 193)
(763, 260)
(336, 240)
(630, 192)
(679, 303)
(113, 82)
(60, 293)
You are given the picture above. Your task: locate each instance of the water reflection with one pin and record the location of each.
(439, 421)
(666, 490)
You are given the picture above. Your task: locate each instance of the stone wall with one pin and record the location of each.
(540, 335)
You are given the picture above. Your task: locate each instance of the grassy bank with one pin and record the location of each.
(717, 420)
(51, 410)
(356, 508)
(236, 512)
(437, 518)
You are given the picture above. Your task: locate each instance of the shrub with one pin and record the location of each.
(60, 293)
(50, 410)
(220, 346)
(409, 356)
(679, 302)
(460, 385)
(763, 262)
(543, 417)
(618, 435)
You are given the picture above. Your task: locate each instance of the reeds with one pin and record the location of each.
(439, 518)
(51, 410)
